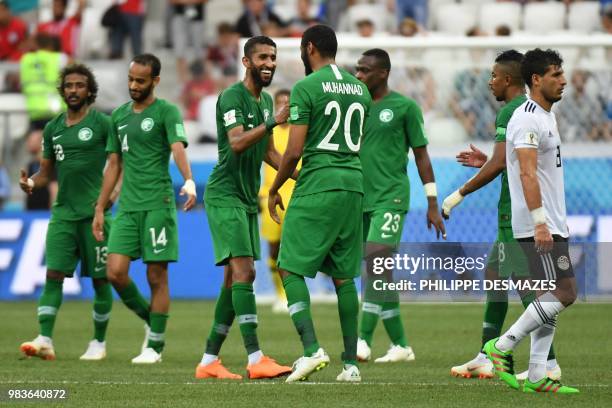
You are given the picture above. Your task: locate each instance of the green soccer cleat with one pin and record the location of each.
(548, 385)
(502, 363)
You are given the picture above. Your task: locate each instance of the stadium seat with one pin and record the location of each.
(493, 15)
(445, 132)
(584, 16)
(541, 18)
(455, 18)
(93, 37)
(377, 13)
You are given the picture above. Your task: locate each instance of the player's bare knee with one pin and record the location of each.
(55, 275)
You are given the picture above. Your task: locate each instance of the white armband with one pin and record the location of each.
(430, 189)
(538, 216)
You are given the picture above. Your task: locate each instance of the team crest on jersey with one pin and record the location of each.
(266, 114)
(85, 134)
(147, 124)
(386, 115)
(563, 263)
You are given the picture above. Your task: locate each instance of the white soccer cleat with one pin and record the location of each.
(363, 350)
(350, 374)
(96, 350)
(41, 347)
(479, 367)
(148, 356)
(396, 354)
(145, 342)
(554, 374)
(305, 366)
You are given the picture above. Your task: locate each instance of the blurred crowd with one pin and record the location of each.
(39, 37)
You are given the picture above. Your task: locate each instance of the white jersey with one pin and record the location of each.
(532, 127)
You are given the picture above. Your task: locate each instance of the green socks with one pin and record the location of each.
(495, 314)
(103, 303)
(392, 320)
(135, 302)
(298, 299)
(369, 319)
(243, 300)
(48, 304)
(348, 310)
(224, 317)
(157, 334)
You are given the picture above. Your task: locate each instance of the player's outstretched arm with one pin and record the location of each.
(426, 174)
(39, 179)
(528, 161)
(111, 175)
(293, 154)
(240, 140)
(472, 158)
(487, 173)
(189, 188)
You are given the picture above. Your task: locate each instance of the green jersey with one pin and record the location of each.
(79, 155)
(334, 104)
(504, 206)
(143, 140)
(395, 125)
(234, 182)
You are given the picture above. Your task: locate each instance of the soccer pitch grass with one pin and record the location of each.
(442, 335)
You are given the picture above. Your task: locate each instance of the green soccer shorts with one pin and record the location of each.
(234, 232)
(151, 235)
(383, 226)
(69, 242)
(323, 232)
(507, 257)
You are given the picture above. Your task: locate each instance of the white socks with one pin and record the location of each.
(542, 310)
(207, 359)
(255, 357)
(541, 339)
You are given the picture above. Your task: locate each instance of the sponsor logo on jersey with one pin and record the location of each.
(147, 124)
(386, 115)
(57, 137)
(563, 263)
(229, 117)
(250, 116)
(85, 134)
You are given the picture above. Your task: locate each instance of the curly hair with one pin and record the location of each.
(81, 69)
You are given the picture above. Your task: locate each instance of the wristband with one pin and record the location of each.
(270, 123)
(430, 189)
(451, 201)
(538, 216)
(189, 187)
(30, 183)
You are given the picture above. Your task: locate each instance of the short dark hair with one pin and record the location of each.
(81, 69)
(537, 61)
(281, 92)
(382, 57)
(249, 46)
(511, 60)
(323, 38)
(149, 60)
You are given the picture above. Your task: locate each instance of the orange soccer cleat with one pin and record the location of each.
(266, 368)
(215, 370)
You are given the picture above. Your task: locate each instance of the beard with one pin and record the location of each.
(142, 95)
(77, 105)
(307, 66)
(258, 80)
